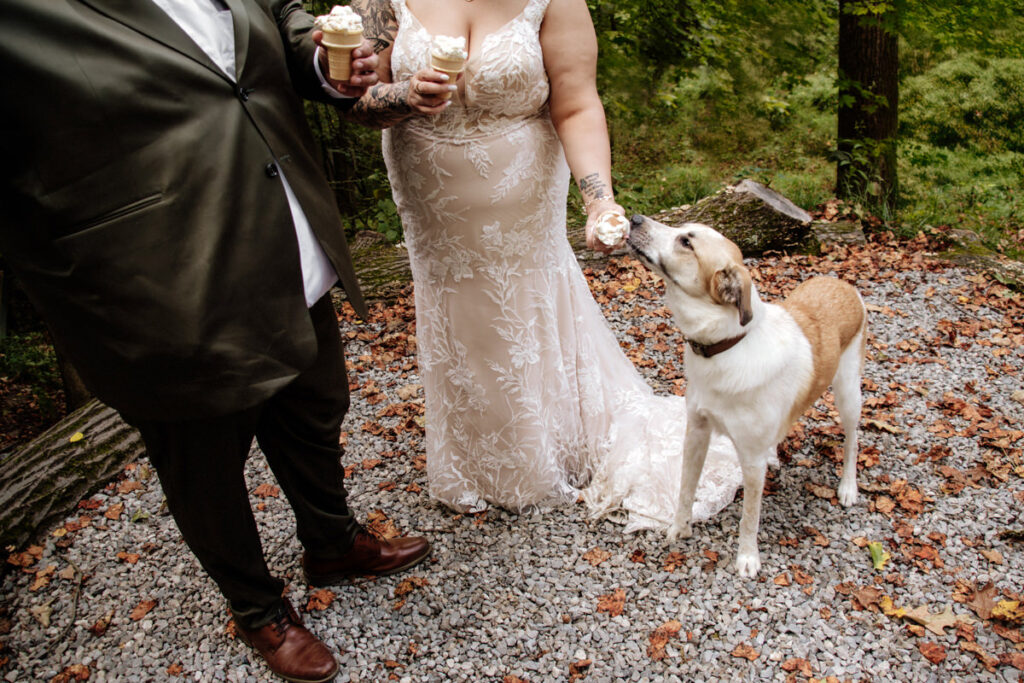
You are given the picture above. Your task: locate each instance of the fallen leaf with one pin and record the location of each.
(114, 511)
(175, 670)
(77, 436)
(129, 558)
(75, 672)
(578, 669)
(934, 622)
(1014, 659)
(800, 665)
(820, 490)
(660, 637)
(879, 556)
(41, 613)
(882, 426)
(266, 491)
(993, 556)
(987, 660)
(1010, 611)
(612, 603)
(596, 556)
(933, 652)
(744, 651)
(638, 556)
(320, 600)
(984, 600)
(100, 627)
(782, 579)
(673, 561)
(408, 585)
(142, 609)
(129, 485)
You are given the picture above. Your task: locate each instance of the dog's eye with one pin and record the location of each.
(684, 241)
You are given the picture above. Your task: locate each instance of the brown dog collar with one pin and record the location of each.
(709, 350)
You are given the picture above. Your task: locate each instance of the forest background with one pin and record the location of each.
(700, 95)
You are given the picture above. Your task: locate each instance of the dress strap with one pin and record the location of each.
(534, 11)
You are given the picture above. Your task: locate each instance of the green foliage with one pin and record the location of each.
(968, 102)
(29, 358)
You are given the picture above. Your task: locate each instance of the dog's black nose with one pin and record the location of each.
(637, 220)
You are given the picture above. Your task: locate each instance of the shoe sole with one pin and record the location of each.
(335, 579)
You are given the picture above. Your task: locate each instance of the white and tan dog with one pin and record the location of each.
(752, 367)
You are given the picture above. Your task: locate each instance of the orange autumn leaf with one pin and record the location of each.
(320, 600)
(596, 556)
(75, 672)
(612, 603)
(266, 491)
(933, 652)
(114, 511)
(128, 558)
(174, 670)
(800, 665)
(673, 561)
(660, 637)
(745, 651)
(407, 586)
(142, 609)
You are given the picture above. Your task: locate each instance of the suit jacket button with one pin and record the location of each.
(271, 170)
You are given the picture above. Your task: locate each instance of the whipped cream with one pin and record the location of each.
(611, 228)
(449, 47)
(342, 19)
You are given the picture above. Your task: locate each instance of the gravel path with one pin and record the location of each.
(557, 596)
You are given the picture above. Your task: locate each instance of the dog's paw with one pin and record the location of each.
(748, 564)
(680, 529)
(847, 492)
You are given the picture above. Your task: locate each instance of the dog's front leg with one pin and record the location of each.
(748, 560)
(695, 449)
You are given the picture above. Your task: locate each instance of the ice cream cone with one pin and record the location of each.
(452, 67)
(339, 46)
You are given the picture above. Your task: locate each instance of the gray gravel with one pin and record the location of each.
(513, 596)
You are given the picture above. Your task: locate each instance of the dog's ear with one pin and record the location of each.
(731, 285)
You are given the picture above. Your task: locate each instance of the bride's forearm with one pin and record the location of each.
(383, 105)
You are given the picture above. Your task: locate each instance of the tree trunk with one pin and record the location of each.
(76, 394)
(46, 479)
(868, 105)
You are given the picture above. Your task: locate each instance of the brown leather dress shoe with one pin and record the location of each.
(366, 556)
(291, 651)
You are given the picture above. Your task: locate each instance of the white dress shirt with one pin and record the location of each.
(209, 25)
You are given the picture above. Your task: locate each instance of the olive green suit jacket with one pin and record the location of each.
(140, 205)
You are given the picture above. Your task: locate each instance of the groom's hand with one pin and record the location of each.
(364, 68)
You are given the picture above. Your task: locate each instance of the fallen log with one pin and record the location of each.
(43, 481)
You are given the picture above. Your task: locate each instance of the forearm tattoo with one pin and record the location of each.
(383, 105)
(379, 23)
(593, 187)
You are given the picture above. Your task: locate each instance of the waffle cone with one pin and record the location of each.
(339, 52)
(452, 67)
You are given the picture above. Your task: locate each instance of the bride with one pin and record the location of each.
(529, 400)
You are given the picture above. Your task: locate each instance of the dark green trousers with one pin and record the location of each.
(201, 465)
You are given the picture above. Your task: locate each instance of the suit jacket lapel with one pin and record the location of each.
(240, 18)
(148, 19)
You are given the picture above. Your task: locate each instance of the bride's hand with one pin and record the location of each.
(594, 210)
(429, 92)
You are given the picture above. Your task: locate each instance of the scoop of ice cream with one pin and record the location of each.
(342, 19)
(449, 47)
(611, 228)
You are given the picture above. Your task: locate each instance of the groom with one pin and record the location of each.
(162, 203)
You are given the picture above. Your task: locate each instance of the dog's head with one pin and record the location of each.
(702, 269)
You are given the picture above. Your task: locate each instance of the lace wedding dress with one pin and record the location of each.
(529, 399)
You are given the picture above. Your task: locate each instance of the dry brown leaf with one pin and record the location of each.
(782, 579)
(142, 609)
(408, 585)
(612, 603)
(175, 670)
(673, 561)
(378, 524)
(101, 625)
(128, 558)
(1014, 659)
(987, 660)
(993, 556)
(114, 511)
(820, 490)
(320, 600)
(578, 670)
(660, 637)
(933, 652)
(984, 600)
(1011, 611)
(935, 622)
(800, 665)
(266, 491)
(75, 672)
(596, 556)
(129, 485)
(745, 651)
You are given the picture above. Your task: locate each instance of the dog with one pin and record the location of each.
(752, 367)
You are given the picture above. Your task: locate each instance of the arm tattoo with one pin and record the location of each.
(592, 187)
(379, 22)
(383, 105)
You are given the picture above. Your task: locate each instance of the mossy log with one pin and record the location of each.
(43, 481)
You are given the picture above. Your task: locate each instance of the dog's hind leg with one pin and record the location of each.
(846, 387)
(748, 559)
(695, 450)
